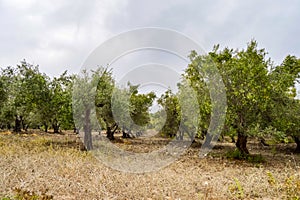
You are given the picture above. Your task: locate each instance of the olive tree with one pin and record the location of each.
(245, 75)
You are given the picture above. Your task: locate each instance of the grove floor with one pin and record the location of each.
(54, 165)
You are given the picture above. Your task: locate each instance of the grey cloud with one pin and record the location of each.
(230, 23)
(59, 35)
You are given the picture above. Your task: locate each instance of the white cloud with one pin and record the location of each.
(57, 35)
(60, 34)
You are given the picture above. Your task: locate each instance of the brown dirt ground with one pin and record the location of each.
(55, 165)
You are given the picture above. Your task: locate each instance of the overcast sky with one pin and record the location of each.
(59, 35)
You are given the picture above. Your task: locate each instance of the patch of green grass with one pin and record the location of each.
(22, 194)
(237, 155)
(236, 189)
(289, 188)
(5, 198)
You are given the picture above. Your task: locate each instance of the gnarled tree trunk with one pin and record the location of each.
(87, 130)
(110, 133)
(241, 143)
(55, 126)
(18, 125)
(46, 128)
(125, 135)
(207, 141)
(23, 125)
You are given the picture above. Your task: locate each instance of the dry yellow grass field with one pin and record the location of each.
(48, 166)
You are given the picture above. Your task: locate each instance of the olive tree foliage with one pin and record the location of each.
(123, 108)
(139, 107)
(179, 116)
(284, 110)
(28, 92)
(30, 99)
(85, 99)
(103, 101)
(195, 75)
(131, 109)
(190, 116)
(3, 90)
(59, 111)
(260, 96)
(171, 112)
(248, 87)
(6, 114)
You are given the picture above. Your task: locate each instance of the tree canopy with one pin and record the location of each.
(260, 97)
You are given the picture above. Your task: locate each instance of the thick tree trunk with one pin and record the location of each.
(297, 140)
(55, 126)
(125, 135)
(17, 127)
(23, 125)
(109, 134)
(46, 128)
(207, 142)
(241, 143)
(87, 131)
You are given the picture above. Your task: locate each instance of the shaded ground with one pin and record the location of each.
(54, 165)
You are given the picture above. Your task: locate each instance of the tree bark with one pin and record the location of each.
(125, 135)
(297, 140)
(46, 128)
(55, 126)
(241, 143)
(17, 127)
(208, 139)
(87, 130)
(109, 133)
(23, 125)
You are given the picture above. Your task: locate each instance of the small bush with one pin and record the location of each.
(236, 189)
(237, 155)
(289, 188)
(22, 194)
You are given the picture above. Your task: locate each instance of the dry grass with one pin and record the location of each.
(53, 165)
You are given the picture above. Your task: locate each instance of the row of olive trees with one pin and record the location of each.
(31, 99)
(97, 100)
(260, 96)
(260, 99)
